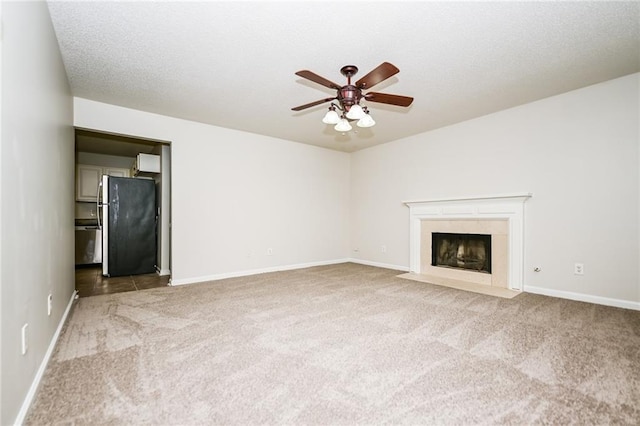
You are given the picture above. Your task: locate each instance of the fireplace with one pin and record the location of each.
(476, 240)
(462, 251)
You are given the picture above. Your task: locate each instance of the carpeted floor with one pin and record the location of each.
(344, 344)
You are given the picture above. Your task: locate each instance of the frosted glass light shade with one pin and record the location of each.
(331, 117)
(355, 112)
(366, 121)
(343, 125)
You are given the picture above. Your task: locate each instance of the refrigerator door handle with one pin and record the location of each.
(104, 183)
(98, 204)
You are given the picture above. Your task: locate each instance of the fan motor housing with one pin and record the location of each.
(349, 95)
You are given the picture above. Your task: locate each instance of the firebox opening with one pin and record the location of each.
(461, 251)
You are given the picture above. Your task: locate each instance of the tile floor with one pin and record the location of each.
(90, 282)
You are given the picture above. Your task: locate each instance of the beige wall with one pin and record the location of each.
(236, 194)
(37, 196)
(576, 152)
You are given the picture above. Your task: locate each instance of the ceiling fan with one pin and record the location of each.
(350, 95)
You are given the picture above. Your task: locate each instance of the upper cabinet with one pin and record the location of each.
(111, 171)
(88, 179)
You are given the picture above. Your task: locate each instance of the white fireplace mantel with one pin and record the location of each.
(509, 207)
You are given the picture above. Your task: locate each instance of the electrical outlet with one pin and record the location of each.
(383, 249)
(25, 343)
(269, 251)
(49, 304)
(578, 269)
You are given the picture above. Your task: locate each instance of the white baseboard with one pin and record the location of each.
(223, 276)
(380, 265)
(43, 365)
(580, 297)
(626, 304)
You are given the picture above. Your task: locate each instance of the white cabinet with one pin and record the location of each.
(115, 172)
(88, 178)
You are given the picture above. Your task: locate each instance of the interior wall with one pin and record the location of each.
(235, 195)
(164, 227)
(576, 152)
(37, 181)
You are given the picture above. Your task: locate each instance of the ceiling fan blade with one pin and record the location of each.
(309, 105)
(377, 75)
(385, 98)
(317, 79)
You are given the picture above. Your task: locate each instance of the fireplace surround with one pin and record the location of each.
(500, 217)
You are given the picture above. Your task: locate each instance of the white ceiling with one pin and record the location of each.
(232, 63)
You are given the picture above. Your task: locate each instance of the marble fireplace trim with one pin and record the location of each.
(500, 207)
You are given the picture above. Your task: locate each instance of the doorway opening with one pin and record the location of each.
(102, 158)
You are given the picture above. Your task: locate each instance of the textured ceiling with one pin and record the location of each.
(232, 64)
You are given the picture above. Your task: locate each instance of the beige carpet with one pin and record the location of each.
(345, 344)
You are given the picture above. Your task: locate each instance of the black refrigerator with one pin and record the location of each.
(128, 226)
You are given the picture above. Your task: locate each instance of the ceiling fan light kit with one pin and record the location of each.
(331, 117)
(343, 125)
(366, 121)
(355, 112)
(350, 96)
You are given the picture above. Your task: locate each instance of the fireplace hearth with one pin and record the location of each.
(461, 251)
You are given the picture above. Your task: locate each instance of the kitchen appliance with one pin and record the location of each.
(88, 242)
(128, 225)
(146, 165)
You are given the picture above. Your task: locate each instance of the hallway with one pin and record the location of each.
(90, 282)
